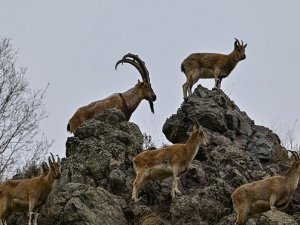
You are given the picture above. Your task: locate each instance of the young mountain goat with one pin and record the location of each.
(168, 161)
(270, 193)
(28, 194)
(126, 102)
(210, 65)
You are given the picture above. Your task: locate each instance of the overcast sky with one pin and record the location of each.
(74, 45)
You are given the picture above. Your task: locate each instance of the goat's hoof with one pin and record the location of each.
(178, 192)
(185, 99)
(136, 200)
(173, 195)
(273, 208)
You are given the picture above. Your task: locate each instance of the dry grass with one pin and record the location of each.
(151, 219)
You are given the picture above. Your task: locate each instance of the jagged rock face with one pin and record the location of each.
(96, 182)
(97, 176)
(225, 123)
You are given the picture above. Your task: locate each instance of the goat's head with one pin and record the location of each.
(145, 86)
(55, 166)
(44, 169)
(198, 133)
(296, 163)
(239, 49)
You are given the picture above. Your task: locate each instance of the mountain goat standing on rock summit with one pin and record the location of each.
(210, 65)
(126, 102)
(270, 193)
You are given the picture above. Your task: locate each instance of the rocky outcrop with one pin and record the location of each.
(96, 182)
(226, 124)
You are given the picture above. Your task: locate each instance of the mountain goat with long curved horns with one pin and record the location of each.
(210, 65)
(126, 102)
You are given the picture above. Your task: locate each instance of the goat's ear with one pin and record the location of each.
(245, 45)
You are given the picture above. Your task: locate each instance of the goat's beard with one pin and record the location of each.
(151, 106)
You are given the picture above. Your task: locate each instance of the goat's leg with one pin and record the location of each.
(3, 222)
(192, 78)
(218, 83)
(242, 214)
(36, 215)
(185, 88)
(30, 217)
(218, 79)
(138, 184)
(273, 200)
(174, 184)
(30, 210)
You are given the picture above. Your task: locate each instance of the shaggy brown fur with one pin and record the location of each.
(260, 196)
(28, 194)
(126, 102)
(173, 160)
(210, 65)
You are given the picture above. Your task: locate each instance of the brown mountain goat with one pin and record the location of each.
(173, 160)
(126, 102)
(28, 194)
(210, 65)
(270, 193)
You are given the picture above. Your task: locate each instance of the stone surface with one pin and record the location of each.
(96, 182)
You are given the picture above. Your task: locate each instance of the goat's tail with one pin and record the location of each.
(68, 128)
(182, 68)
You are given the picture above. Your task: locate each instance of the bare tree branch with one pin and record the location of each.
(21, 110)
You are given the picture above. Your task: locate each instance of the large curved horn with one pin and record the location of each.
(135, 64)
(141, 63)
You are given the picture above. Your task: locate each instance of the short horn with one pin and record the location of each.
(237, 41)
(53, 159)
(296, 156)
(45, 165)
(49, 160)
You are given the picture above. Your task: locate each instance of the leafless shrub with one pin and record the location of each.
(21, 110)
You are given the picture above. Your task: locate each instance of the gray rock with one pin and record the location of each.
(82, 204)
(96, 182)
(267, 218)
